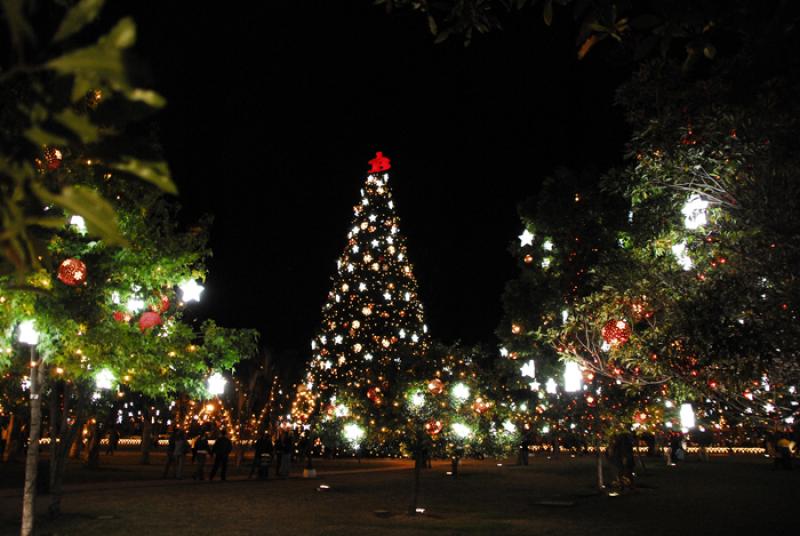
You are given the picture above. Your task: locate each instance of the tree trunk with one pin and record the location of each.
(67, 434)
(93, 447)
(32, 456)
(600, 483)
(147, 434)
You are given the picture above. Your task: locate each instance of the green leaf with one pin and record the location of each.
(39, 136)
(79, 124)
(19, 28)
(52, 223)
(147, 96)
(100, 217)
(77, 17)
(156, 173)
(121, 36)
(432, 25)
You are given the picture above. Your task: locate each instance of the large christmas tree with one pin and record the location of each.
(373, 326)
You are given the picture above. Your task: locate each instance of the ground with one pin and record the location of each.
(728, 495)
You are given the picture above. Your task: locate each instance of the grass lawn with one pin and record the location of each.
(725, 496)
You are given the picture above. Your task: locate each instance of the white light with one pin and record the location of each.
(368, 357)
(460, 392)
(605, 347)
(375, 243)
(548, 245)
(546, 262)
(337, 339)
(694, 212)
(573, 377)
(104, 379)
(341, 411)
(355, 249)
(668, 404)
(461, 430)
(769, 408)
(350, 267)
(353, 433)
(408, 296)
(509, 427)
(134, 304)
(215, 385)
(27, 333)
(372, 217)
(550, 386)
(387, 296)
(503, 352)
(79, 223)
(191, 290)
(789, 420)
(564, 316)
(528, 369)
(362, 287)
(402, 334)
(526, 238)
(687, 416)
(414, 338)
(545, 429)
(534, 385)
(679, 250)
(417, 400)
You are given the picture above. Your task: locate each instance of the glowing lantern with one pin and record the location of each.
(149, 319)
(72, 272)
(687, 416)
(27, 333)
(616, 332)
(573, 377)
(104, 379)
(215, 385)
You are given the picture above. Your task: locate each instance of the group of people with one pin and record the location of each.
(265, 451)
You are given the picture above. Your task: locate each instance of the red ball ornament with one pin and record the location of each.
(616, 332)
(374, 394)
(435, 386)
(72, 272)
(120, 316)
(434, 427)
(148, 320)
(161, 306)
(52, 158)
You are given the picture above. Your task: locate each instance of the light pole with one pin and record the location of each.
(27, 334)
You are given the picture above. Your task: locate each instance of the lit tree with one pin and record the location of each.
(373, 326)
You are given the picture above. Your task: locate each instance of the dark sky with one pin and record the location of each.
(275, 108)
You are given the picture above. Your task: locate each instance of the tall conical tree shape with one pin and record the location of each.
(372, 322)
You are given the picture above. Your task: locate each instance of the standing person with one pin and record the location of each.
(170, 453)
(200, 451)
(113, 441)
(262, 448)
(222, 448)
(179, 453)
(285, 454)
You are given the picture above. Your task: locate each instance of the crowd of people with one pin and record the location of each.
(267, 452)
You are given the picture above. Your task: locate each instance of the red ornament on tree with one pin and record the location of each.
(433, 427)
(379, 163)
(435, 386)
(148, 320)
(52, 158)
(72, 272)
(374, 394)
(616, 332)
(119, 316)
(161, 306)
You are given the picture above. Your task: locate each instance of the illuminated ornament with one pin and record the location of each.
(215, 385)
(379, 163)
(366, 311)
(79, 223)
(460, 392)
(119, 316)
(534, 385)
(104, 379)
(374, 394)
(53, 158)
(694, 212)
(551, 386)
(548, 245)
(375, 243)
(546, 262)
(687, 416)
(357, 347)
(683, 259)
(435, 386)
(27, 334)
(149, 319)
(372, 218)
(387, 296)
(72, 272)
(516, 329)
(509, 427)
(573, 378)
(402, 334)
(337, 339)
(528, 369)
(353, 433)
(528, 258)
(564, 316)
(526, 238)
(134, 304)
(616, 332)
(191, 290)
(461, 430)
(503, 352)
(480, 405)
(356, 324)
(368, 357)
(163, 305)
(434, 427)
(417, 399)
(362, 287)
(414, 338)
(341, 411)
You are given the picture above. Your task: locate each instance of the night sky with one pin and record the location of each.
(274, 111)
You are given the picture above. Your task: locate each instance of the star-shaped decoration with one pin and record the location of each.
(362, 287)
(526, 238)
(387, 296)
(191, 290)
(338, 339)
(529, 369)
(375, 243)
(372, 217)
(535, 385)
